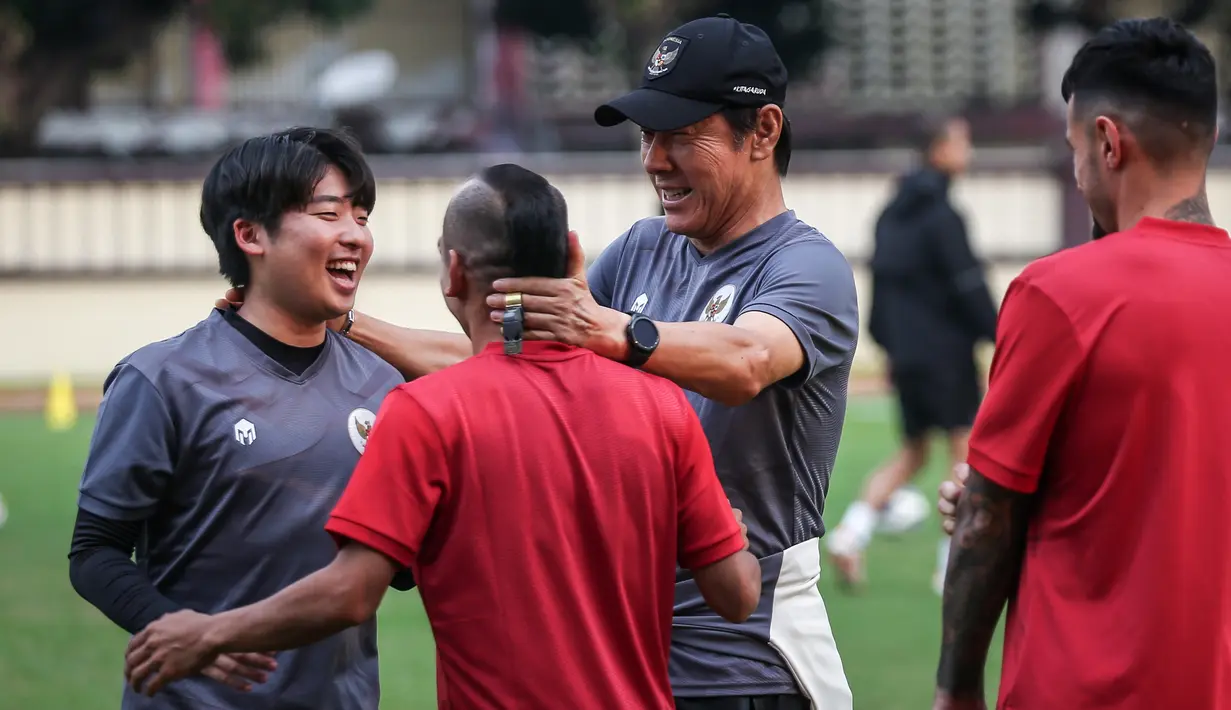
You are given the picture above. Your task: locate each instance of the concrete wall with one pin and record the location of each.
(85, 326)
(62, 243)
(151, 224)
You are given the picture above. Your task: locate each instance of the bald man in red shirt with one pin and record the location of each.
(1098, 499)
(541, 495)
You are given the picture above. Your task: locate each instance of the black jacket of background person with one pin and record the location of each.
(930, 301)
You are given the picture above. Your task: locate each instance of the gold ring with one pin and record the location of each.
(512, 300)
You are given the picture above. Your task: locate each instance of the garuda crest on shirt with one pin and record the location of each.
(719, 305)
(358, 426)
(716, 305)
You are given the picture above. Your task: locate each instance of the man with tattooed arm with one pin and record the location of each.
(1098, 487)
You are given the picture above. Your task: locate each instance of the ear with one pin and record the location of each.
(250, 237)
(768, 131)
(455, 270)
(1109, 142)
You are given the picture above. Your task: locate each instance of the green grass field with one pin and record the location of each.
(57, 652)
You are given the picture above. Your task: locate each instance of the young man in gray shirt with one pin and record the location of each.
(219, 453)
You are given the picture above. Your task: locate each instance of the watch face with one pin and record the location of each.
(645, 333)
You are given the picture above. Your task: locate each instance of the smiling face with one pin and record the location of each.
(700, 175)
(312, 265)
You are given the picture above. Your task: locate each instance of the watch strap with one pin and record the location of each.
(350, 320)
(636, 356)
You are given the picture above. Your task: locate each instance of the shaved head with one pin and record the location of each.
(474, 228)
(508, 221)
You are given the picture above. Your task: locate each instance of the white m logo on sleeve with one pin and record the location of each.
(245, 432)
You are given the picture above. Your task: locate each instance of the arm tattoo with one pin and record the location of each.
(1195, 209)
(983, 570)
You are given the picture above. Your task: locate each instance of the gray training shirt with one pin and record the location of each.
(234, 464)
(774, 455)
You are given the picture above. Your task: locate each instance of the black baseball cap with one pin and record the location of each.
(699, 69)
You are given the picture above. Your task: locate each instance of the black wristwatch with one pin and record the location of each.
(642, 335)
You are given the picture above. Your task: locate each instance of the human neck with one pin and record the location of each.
(480, 328)
(262, 312)
(765, 203)
(484, 334)
(1178, 197)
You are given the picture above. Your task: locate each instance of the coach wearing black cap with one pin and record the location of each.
(750, 310)
(754, 313)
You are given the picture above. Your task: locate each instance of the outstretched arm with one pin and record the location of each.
(984, 565)
(412, 351)
(730, 364)
(799, 318)
(344, 594)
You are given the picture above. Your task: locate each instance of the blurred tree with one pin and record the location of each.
(550, 19)
(51, 49)
(241, 23)
(628, 30)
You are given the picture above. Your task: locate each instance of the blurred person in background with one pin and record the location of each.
(543, 525)
(1098, 483)
(218, 453)
(930, 308)
(749, 309)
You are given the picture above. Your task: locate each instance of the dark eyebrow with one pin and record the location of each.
(327, 198)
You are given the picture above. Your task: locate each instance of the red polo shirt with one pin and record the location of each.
(542, 502)
(1110, 400)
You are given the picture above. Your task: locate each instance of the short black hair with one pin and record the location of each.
(263, 178)
(509, 222)
(1157, 76)
(743, 121)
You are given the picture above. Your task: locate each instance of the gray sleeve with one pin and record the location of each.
(809, 286)
(133, 449)
(603, 272)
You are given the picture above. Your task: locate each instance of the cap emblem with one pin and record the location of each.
(665, 57)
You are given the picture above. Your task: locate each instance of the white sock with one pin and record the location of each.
(942, 557)
(859, 522)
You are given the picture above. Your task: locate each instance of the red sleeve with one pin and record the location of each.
(401, 477)
(707, 528)
(1038, 357)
